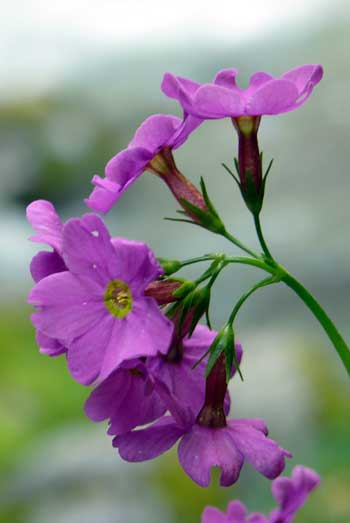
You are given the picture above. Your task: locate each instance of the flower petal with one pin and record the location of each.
(124, 399)
(261, 452)
(49, 346)
(273, 97)
(128, 165)
(44, 219)
(121, 172)
(303, 76)
(87, 352)
(255, 517)
(257, 423)
(236, 512)
(189, 124)
(104, 195)
(155, 132)
(67, 306)
(45, 263)
(145, 331)
(227, 78)
(182, 89)
(136, 263)
(213, 515)
(291, 493)
(145, 444)
(87, 249)
(215, 101)
(204, 448)
(258, 79)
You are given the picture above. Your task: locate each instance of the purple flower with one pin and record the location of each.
(236, 513)
(202, 447)
(48, 226)
(129, 397)
(290, 494)
(150, 149)
(186, 382)
(264, 95)
(97, 307)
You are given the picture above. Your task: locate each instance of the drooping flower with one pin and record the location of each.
(98, 307)
(48, 226)
(150, 149)
(206, 440)
(224, 98)
(129, 398)
(182, 374)
(290, 494)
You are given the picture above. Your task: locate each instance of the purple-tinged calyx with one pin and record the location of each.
(163, 165)
(249, 160)
(212, 413)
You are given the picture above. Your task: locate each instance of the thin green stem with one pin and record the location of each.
(245, 296)
(338, 342)
(239, 244)
(259, 263)
(261, 237)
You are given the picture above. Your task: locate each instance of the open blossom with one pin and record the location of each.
(290, 494)
(202, 447)
(224, 98)
(97, 307)
(150, 149)
(48, 226)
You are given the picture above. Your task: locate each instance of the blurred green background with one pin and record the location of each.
(76, 81)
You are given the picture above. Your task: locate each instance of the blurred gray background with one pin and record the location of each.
(76, 80)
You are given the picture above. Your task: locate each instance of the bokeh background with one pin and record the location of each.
(76, 79)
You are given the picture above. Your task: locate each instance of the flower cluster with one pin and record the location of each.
(92, 303)
(131, 331)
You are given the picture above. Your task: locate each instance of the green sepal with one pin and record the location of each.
(201, 302)
(185, 288)
(169, 266)
(215, 351)
(207, 220)
(224, 342)
(251, 196)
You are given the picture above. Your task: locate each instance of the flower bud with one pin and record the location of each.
(249, 161)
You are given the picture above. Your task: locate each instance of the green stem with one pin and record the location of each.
(259, 263)
(191, 261)
(244, 297)
(327, 324)
(261, 237)
(239, 244)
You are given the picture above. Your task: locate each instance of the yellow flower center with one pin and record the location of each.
(118, 298)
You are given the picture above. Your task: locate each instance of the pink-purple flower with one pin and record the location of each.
(97, 307)
(150, 149)
(290, 494)
(224, 98)
(203, 447)
(48, 226)
(130, 397)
